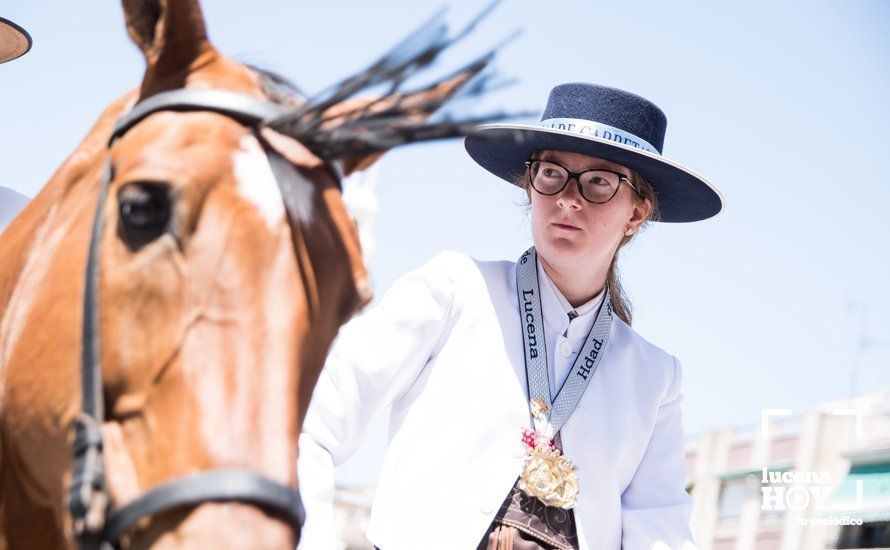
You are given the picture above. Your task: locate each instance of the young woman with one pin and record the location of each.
(525, 412)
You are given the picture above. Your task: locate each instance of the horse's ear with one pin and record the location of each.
(170, 33)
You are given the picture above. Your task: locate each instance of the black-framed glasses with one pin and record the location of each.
(597, 186)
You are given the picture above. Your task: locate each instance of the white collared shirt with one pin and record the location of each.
(564, 338)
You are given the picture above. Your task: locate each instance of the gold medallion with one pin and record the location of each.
(547, 475)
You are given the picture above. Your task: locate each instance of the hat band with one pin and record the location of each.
(598, 130)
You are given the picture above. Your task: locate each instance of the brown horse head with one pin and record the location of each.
(221, 287)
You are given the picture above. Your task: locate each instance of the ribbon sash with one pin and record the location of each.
(562, 406)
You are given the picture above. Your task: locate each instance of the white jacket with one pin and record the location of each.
(443, 348)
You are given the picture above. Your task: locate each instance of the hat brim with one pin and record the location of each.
(14, 41)
(683, 195)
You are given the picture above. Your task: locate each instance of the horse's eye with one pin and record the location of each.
(144, 212)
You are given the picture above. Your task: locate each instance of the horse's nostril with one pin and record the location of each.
(144, 212)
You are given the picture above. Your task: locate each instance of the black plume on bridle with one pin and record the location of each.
(392, 120)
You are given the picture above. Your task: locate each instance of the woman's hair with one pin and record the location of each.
(621, 305)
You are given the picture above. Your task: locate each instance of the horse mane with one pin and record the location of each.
(334, 124)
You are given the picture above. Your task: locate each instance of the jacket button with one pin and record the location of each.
(565, 348)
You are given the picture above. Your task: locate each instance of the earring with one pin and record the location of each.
(629, 232)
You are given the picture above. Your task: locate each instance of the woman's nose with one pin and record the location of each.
(570, 197)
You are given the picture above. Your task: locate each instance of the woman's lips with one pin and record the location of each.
(565, 226)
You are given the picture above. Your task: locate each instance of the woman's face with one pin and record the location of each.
(569, 231)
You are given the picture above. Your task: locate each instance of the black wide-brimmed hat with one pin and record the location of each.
(14, 41)
(602, 122)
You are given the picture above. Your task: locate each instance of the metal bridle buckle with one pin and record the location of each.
(87, 499)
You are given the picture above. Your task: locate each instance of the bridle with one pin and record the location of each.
(97, 522)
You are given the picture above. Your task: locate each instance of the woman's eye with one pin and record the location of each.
(550, 173)
(144, 212)
(598, 181)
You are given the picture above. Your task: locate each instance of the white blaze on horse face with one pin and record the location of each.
(256, 181)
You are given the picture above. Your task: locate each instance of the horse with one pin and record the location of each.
(168, 298)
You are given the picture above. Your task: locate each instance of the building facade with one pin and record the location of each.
(815, 480)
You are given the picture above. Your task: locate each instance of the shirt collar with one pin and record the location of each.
(556, 309)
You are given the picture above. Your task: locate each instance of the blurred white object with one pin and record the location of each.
(361, 201)
(11, 203)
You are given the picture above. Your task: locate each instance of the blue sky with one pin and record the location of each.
(783, 105)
